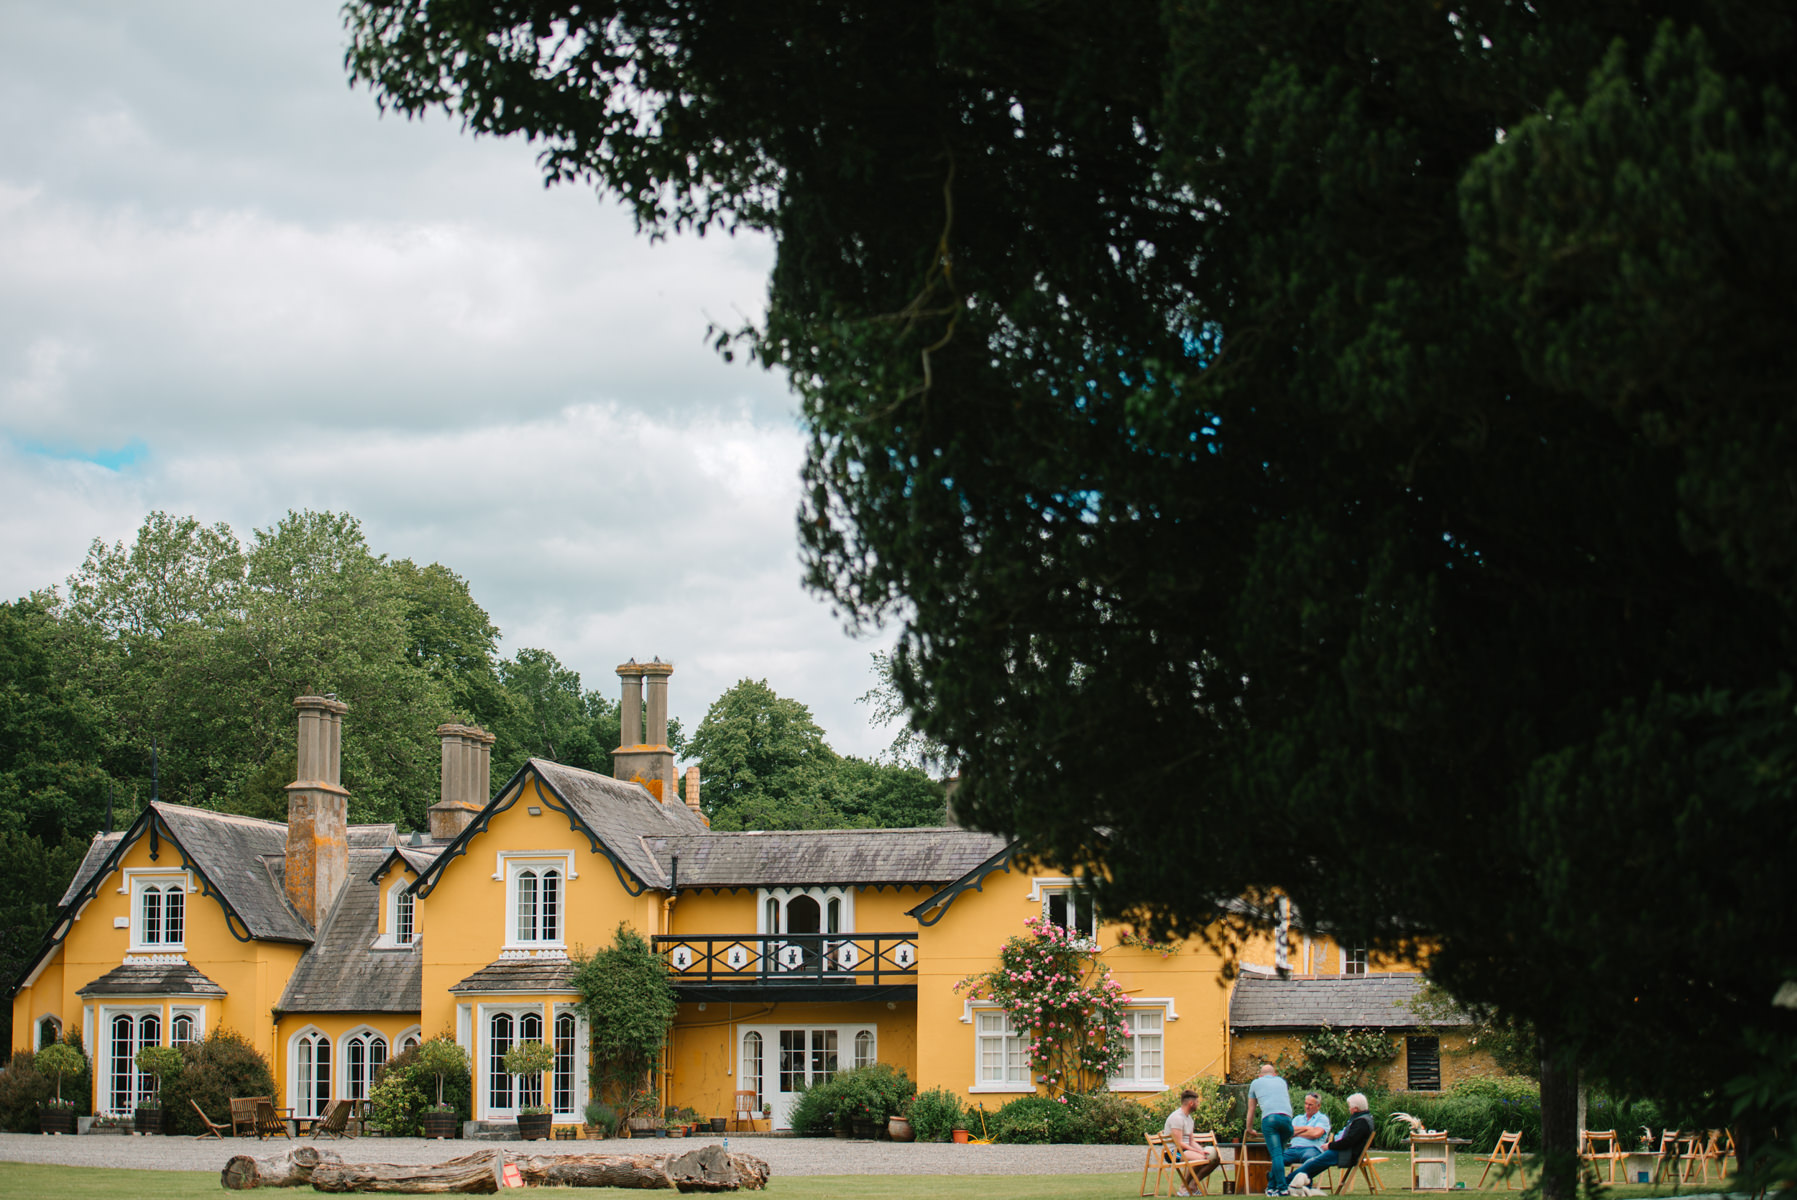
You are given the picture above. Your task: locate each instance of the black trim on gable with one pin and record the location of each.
(974, 881)
(514, 788)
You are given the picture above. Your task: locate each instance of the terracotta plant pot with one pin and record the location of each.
(961, 1137)
(441, 1125)
(899, 1130)
(535, 1127)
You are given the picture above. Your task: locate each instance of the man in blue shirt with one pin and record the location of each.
(1274, 1100)
(1310, 1131)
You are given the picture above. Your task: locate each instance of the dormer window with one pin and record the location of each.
(403, 904)
(159, 912)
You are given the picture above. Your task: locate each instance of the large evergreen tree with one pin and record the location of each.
(1258, 411)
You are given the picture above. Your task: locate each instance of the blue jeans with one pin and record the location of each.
(1298, 1154)
(1321, 1163)
(1277, 1129)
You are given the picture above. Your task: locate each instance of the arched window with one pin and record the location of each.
(149, 1033)
(364, 1055)
(499, 1040)
(564, 1063)
(402, 917)
(49, 1030)
(180, 1030)
(864, 1048)
(312, 1074)
(407, 1041)
(530, 1087)
(152, 916)
(174, 914)
(124, 1071)
(750, 1074)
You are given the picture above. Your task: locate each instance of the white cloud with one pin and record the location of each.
(211, 249)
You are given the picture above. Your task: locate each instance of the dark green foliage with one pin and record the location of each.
(1106, 1118)
(603, 1117)
(766, 765)
(23, 1091)
(1036, 1120)
(215, 1068)
(406, 1087)
(934, 1115)
(33, 874)
(1338, 1060)
(1370, 412)
(629, 1006)
(871, 1093)
(813, 1114)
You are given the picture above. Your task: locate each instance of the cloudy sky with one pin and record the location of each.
(229, 287)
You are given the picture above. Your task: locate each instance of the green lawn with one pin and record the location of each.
(80, 1183)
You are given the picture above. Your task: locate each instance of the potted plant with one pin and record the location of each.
(959, 1133)
(767, 1114)
(601, 1120)
(441, 1057)
(675, 1116)
(531, 1059)
(158, 1062)
(898, 1125)
(638, 1122)
(718, 1124)
(58, 1115)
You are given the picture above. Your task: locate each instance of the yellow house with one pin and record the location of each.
(793, 954)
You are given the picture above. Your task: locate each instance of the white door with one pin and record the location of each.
(803, 1058)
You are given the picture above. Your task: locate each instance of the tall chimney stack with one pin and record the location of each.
(646, 759)
(467, 779)
(317, 811)
(692, 791)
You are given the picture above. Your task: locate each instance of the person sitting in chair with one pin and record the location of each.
(1180, 1126)
(1343, 1151)
(1310, 1131)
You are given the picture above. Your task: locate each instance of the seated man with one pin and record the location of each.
(1310, 1131)
(1343, 1151)
(1180, 1127)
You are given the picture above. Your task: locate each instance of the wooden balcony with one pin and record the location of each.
(791, 966)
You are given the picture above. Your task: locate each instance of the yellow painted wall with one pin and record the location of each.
(253, 974)
(467, 905)
(1459, 1058)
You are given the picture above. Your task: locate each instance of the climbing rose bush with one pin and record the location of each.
(1051, 984)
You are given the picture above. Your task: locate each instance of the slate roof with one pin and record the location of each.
(233, 853)
(341, 973)
(520, 975)
(97, 850)
(1312, 1001)
(365, 837)
(825, 856)
(622, 815)
(150, 977)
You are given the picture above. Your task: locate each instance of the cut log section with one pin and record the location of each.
(292, 1168)
(707, 1169)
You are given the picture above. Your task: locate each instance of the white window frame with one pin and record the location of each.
(196, 1015)
(782, 897)
(141, 1085)
(1044, 887)
(302, 1105)
(136, 881)
(1135, 1081)
(345, 1085)
(483, 1025)
(873, 1047)
(515, 864)
(389, 938)
(1349, 956)
(414, 1032)
(1024, 1086)
(581, 1039)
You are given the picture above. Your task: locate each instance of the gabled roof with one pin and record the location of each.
(1339, 1001)
(865, 857)
(341, 972)
(152, 975)
(615, 816)
(418, 858)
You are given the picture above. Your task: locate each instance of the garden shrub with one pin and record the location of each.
(813, 1113)
(22, 1090)
(933, 1115)
(602, 1117)
(1478, 1109)
(1219, 1107)
(1105, 1118)
(871, 1093)
(404, 1090)
(215, 1068)
(1035, 1120)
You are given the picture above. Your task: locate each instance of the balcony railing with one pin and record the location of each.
(751, 960)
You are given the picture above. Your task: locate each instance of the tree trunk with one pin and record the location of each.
(707, 1169)
(1559, 1123)
(291, 1168)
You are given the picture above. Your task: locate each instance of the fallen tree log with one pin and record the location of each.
(707, 1169)
(293, 1168)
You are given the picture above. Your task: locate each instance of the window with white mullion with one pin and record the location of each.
(1002, 1058)
(159, 913)
(403, 906)
(536, 904)
(1145, 1061)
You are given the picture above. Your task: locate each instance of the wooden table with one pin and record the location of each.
(1448, 1146)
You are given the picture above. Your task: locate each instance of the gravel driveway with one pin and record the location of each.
(786, 1156)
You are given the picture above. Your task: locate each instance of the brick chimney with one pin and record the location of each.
(692, 790)
(467, 779)
(317, 811)
(643, 754)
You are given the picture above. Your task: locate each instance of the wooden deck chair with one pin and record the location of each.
(1506, 1156)
(1602, 1145)
(335, 1122)
(746, 1110)
(269, 1123)
(243, 1116)
(213, 1128)
(1160, 1161)
(1424, 1150)
(1363, 1167)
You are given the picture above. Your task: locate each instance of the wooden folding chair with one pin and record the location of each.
(1506, 1156)
(213, 1128)
(1602, 1145)
(335, 1122)
(1666, 1158)
(1425, 1150)
(746, 1110)
(243, 1115)
(1159, 1160)
(1363, 1167)
(269, 1123)
(1704, 1151)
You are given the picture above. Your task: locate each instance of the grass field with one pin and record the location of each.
(32, 1182)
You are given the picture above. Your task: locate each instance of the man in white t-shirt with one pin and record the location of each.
(1180, 1127)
